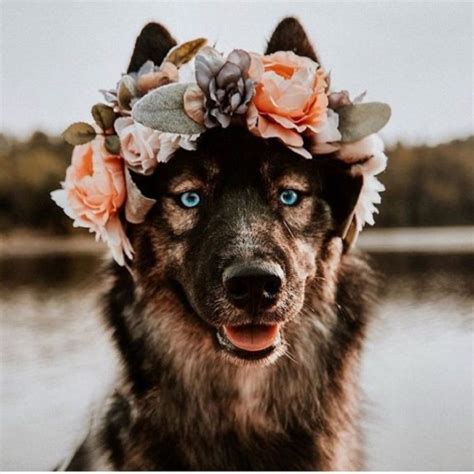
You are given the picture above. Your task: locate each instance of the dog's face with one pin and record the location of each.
(240, 223)
(237, 230)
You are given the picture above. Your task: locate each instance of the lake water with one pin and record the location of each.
(417, 372)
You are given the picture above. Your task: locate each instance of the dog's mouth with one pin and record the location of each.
(250, 341)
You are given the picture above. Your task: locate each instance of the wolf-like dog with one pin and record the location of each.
(201, 388)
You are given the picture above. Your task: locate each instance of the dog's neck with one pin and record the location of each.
(180, 387)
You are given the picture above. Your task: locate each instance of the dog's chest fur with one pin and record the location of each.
(242, 427)
(250, 421)
(181, 405)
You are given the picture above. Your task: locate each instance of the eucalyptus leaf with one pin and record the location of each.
(184, 52)
(79, 133)
(357, 121)
(104, 116)
(112, 144)
(126, 91)
(163, 109)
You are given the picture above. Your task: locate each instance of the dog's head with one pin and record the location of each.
(239, 223)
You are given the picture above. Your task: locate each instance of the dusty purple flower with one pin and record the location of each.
(342, 98)
(225, 83)
(339, 99)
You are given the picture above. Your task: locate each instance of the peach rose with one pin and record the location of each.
(139, 145)
(94, 192)
(290, 98)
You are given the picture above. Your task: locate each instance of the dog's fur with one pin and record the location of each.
(182, 401)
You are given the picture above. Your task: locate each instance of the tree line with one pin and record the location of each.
(426, 186)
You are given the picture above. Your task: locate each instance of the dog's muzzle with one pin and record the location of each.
(253, 286)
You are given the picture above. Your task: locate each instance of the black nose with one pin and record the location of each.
(253, 286)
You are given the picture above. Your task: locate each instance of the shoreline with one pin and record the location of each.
(418, 240)
(397, 240)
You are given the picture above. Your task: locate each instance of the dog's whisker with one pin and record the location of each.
(288, 228)
(287, 353)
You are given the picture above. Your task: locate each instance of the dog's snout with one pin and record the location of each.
(253, 286)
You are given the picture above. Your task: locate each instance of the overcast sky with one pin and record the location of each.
(415, 55)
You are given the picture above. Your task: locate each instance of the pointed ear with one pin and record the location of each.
(289, 35)
(153, 43)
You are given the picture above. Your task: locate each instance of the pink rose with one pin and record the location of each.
(139, 145)
(166, 74)
(94, 192)
(290, 98)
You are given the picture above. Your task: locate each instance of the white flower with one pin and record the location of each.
(170, 142)
(357, 151)
(369, 196)
(139, 145)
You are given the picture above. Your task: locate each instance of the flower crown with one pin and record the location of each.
(160, 108)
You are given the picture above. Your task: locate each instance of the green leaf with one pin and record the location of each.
(126, 91)
(357, 121)
(112, 144)
(162, 109)
(104, 116)
(79, 133)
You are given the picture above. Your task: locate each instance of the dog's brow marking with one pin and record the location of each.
(295, 181)
(182, 184)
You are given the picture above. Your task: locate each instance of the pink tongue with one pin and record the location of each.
(252, 337)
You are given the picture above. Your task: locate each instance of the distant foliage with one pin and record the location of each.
(29, 170)
(429, 186)
(426, 186)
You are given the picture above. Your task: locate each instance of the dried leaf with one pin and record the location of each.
(163, 110)
(126, 91)
(351, 234)
(184, 52)
(357, 121)
(137, 205)
(79, 133)
(104, 116)
(112, 144)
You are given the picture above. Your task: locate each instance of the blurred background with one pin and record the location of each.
(417, 369)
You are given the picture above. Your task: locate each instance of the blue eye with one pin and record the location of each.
(190, 199)
(289, 197)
